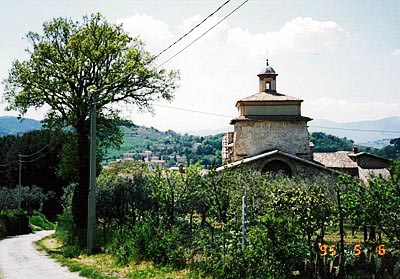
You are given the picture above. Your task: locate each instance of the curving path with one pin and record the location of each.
(20, 260)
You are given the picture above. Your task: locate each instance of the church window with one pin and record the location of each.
(267, 85)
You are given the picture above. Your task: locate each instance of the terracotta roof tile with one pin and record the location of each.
(267, 96)
(339, 159)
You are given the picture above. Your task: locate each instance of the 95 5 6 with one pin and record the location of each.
(331, 250)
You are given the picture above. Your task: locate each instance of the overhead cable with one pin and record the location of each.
(198, 38)
(36, 153)
(33, 160)
(191, 30)
(196, 111)
(360, 130)
(312, 126)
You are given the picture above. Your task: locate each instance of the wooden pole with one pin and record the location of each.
(91, 230)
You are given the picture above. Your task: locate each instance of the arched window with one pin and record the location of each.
(278, 166)
(267, 85)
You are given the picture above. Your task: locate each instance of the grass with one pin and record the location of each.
(104, 266)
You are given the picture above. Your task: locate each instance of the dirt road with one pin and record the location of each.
(20, 260)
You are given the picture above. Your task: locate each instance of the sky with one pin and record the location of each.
(341, 57)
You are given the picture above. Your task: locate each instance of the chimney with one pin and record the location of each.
(355, 149)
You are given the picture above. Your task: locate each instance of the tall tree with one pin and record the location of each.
(69, 64)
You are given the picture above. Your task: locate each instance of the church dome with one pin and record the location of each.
(267, 70)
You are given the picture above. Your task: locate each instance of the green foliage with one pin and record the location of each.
(3, 229)
(188, 220)
(168, 248)
(39, 222)
(275, 247)
(70, 65)
(39, 170)
(329, 143)
(15, 222)
(167, 145)
(131, 244)
(65, 229)
(32, 198)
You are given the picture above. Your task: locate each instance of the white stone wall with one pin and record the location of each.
(245, 110)
(255, 137)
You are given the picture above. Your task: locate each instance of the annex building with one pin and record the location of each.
(270, 134)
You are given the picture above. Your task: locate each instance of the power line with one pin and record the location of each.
(198, 38)
(191, 30)
(360, 130)
(312, 126)
(37, 152)
(29, 155)
(33, 160)
(195, 111)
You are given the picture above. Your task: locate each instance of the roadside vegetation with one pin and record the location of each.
(28, 218)
(163, 224)
(192, 224)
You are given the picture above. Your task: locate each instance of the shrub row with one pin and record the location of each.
(13, 222)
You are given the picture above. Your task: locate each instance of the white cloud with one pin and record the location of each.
(221, 67)
(396, 52)
(154, 32)
(302, 34)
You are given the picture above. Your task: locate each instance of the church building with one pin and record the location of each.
(270, 134)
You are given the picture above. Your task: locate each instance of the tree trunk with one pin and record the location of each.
(341, 229)
(80, 197)
(365, 230)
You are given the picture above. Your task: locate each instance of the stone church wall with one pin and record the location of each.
(255, 137)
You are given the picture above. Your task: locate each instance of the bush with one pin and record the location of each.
(15, 222)
(3, 229)
(131, 244)
(168, 248)
(39, 222)
(65, 228)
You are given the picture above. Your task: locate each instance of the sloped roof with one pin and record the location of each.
(339, 159)
(359, 154)
(270, 118)
(268, 97)
(271, 153)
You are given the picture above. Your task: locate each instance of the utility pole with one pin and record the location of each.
(243, 222)
(91, 229)
(19, 181)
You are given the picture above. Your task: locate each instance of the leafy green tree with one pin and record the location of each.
(396, 147)
(329, 143)
(73, 64)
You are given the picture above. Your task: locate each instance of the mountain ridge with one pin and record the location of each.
(367, 132)
(11, 125)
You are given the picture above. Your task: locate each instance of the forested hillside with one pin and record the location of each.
(168, 145)
(328, 143)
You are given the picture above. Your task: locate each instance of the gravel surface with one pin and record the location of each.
(20, 260)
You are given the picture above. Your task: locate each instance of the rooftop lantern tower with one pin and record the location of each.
(267, 78)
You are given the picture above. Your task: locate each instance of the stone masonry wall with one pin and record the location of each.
(255, 137)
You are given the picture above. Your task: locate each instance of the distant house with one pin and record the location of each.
(158, 163)
(270, 134)
(359, 164)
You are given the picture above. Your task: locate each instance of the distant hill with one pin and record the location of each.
(10, 125)
(168, 146)
(378, 137)
(375, 129)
